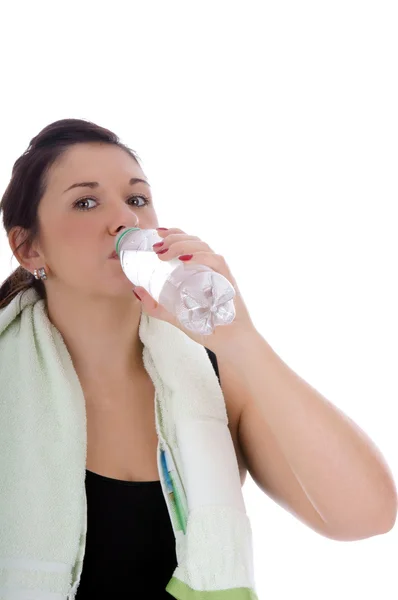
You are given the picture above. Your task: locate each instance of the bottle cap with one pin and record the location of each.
(121, 235)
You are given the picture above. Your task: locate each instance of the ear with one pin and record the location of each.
(23, 250)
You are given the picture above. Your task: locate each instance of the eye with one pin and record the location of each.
(76, 204)
(146, 199)
(87, 199)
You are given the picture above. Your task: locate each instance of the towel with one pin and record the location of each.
(43, 443)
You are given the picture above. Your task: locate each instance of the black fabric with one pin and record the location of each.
(130, 546)
(213, 360)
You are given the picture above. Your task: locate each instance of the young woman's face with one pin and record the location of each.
(78, 226)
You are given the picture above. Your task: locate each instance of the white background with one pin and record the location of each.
(269, 130)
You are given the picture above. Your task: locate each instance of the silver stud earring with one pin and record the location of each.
(40, 274)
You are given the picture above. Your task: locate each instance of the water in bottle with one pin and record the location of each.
(197, 296)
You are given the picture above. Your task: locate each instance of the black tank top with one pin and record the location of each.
(130, 545)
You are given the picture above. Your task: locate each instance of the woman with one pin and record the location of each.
(71, 193)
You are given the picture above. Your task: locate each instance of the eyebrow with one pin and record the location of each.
(95, 184)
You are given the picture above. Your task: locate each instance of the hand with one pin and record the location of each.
(177, 243)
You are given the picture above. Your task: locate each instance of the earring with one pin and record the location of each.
(40, 274)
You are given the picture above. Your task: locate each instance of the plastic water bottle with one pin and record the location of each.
(197, 296)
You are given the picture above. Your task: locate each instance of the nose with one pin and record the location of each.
(124, 222)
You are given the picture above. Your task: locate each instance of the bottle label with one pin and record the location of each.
(174, 490)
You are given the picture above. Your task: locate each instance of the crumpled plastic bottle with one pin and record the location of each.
(197, 296)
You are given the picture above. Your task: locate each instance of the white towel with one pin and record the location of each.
(43, 443)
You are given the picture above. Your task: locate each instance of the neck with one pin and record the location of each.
(101, 335)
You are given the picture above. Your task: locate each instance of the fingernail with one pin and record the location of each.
(161, 229)
(186, 257)
(158, 245)
(162, 251)
(135, 294)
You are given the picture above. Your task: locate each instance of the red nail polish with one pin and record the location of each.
(161, 228)
(162, 251)
(158, 245)
(186, 257)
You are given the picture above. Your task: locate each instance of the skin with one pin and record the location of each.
(299, 448)
(90, 300)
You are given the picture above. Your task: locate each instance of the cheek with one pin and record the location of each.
(72, 229)
(70, 243)
(77, 231)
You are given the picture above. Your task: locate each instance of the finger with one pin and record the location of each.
(165, 232)
(216, 262)
(168, 240)
(176, 237)
(184, 247)
(153, 308)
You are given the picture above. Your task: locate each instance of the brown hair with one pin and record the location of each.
(21, 199)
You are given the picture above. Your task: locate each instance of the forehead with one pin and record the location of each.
(104, 163)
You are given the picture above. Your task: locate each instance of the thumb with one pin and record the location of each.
(152, 308)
